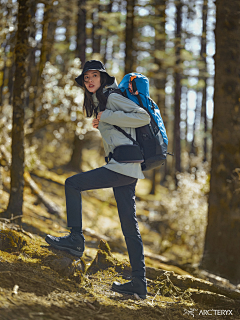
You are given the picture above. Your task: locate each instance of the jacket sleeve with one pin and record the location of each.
(123, 112)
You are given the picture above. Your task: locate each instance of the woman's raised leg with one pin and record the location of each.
(95, 179)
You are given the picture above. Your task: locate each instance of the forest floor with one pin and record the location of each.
(39, 282)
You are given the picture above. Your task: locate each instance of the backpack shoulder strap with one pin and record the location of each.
(118, 91)
(126, 134)
(112, 90)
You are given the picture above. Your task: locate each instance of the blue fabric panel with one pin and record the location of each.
(142, 84)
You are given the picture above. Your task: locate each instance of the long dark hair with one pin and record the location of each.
(88, 104)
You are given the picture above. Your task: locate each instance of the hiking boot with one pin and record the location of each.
(73, 243)
(137, 285)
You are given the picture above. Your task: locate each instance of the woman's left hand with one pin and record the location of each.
(99, 115)
(95, 123)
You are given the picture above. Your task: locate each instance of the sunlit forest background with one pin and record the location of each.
(173, 43)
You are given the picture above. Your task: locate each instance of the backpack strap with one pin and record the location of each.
(136, 93)
(106, 94)
(118, 91)
(126, 135)
(112, 90)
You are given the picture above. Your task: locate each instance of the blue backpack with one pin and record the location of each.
(152, 138)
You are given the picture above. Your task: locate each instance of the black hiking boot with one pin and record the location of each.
(137, 285)
(73, 243)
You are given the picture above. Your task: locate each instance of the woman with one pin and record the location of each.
(122, 177)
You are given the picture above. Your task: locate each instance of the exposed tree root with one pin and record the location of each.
(187, 281)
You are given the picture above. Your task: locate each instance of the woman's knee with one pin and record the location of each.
(70, 182)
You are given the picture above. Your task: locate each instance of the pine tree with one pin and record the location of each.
(222, 241)
(129, 32)
(177, 97)
(17, 168)
(160, 73)
(204, 77)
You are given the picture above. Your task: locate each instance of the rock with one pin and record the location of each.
(104, 260)
(63, 266)
(104, 246)
(68, 268)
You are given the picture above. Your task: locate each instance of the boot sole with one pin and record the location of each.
(129, 293)
(72, 251)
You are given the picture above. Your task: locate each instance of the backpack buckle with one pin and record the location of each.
(109, 157)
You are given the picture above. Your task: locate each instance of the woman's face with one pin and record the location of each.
(92, 80)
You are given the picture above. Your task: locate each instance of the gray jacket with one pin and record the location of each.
(126, 114)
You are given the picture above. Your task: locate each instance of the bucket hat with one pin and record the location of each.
(93, 65)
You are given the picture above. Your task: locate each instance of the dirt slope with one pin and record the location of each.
(38, 282)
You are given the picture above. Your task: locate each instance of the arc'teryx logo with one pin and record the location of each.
(189, 312)
(212, 312)
(209, 312)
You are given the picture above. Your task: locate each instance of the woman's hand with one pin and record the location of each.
(95, 123)
(99, 115)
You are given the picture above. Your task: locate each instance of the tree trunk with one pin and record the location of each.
(204, 77)
(76, 158)
(160, 79)
(17, 168)
(48, 11)
(75, 162)
(2, 74)
(186, 117)
(129, 32)
(204, 117)
(32, 68)
(202, 108)
(45, 48)
(109, 10)
(4, 43)
(51, 32)
(11, 68)
(197, 112)
(81, 32)
(177, 96)
(96, 38)
(222, 241)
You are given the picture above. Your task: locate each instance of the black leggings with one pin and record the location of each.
(124, 192)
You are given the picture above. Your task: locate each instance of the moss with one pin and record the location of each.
(11, 240)
(77, 277)
(8, 257)
(21, 248)
(37, 252)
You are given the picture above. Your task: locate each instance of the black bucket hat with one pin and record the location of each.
(94, 65)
